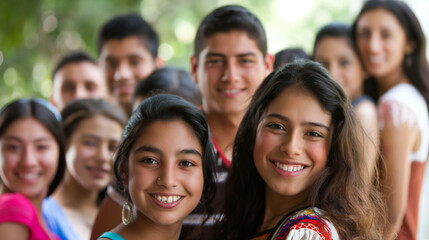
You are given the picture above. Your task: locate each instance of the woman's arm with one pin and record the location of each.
(15, 231)
(397, 142)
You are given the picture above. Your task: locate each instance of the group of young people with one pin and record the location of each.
(329, 148)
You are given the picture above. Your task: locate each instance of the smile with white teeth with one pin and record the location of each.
(376, 59)
(231, 91)
(289, 168)
(29, 176)
(167, 199)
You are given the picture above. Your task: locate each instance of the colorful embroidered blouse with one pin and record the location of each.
(303, 224)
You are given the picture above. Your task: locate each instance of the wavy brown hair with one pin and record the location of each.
(354, 207)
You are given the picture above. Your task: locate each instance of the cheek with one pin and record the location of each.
(195, 183)
(50, 160)
(318, 152)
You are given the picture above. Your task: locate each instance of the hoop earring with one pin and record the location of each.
(127, 208)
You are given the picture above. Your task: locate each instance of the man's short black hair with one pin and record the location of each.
(73, 57)
(129, 25)
(229, 18)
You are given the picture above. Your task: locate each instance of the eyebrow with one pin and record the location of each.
(316, 124)
(152, 149)
(214, 54)
(42, 139)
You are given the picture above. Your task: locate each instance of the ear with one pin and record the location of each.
(194, 68)
(269, 63)
(159, 62)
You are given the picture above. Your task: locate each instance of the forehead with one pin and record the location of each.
(132, 45)
(231, 43)
(333, 44)
(27, 128)
(378, 18)
(298, 103)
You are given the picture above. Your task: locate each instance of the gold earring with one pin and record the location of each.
(127, 208)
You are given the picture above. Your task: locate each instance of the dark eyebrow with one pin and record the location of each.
(41, 139)
(190, 151)
(214, 54)
(283, 118)
(148, 148)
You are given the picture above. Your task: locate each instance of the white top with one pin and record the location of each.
(406, 105)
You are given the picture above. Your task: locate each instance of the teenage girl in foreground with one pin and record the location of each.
(298, 169)
(165, 166)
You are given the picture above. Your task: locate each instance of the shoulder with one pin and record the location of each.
(306, 224)
(111, 236)
(15, 207)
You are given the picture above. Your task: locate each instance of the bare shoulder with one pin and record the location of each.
(12, 230)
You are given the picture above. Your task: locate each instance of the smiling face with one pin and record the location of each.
(292, 143)
(125, 62)
(165, 179)
(29, 158)
(228, 71)
(90, 151)
(382, 42)
(338, 57)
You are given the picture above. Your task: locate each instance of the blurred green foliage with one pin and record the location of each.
(34, 34)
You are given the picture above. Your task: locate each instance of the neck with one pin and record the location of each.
(144, 228)
(223, 129)
(390, 80)
(276, 207)
(72, 195)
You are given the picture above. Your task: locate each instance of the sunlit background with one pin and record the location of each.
(34, 34)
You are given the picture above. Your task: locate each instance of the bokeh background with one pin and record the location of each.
(34, 34)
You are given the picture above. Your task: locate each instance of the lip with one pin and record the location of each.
(298, 168)
(166, 195)
(28, 177)
(230, 92)
(98, 172)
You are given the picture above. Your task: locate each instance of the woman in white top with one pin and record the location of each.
(392, 47)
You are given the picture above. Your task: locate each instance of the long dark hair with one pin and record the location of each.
(48, 116)
(355, 208)
(167, 107)
(417, 69)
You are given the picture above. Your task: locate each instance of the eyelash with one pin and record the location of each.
(276, 126)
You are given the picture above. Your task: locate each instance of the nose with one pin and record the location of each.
(28, 158)
(123, 71)
(374, 43)
(103, 153)
(80, 92)
(168, 176)
(231, 72)
(292, 145)
(335, 72)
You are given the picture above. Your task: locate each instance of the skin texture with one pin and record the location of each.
(160, 164)
(340, 59)
(125, 63)
(89, 159)
(228, 71)
(77, 81)
(293, 133)
(382, 44)
(29, 159)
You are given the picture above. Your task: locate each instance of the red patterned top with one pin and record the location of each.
(302, 224)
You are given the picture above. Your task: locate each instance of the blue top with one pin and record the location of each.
(361, 99)
(112, 236)
(57, 221)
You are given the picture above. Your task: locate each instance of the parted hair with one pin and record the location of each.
(167, 107)
(355, 208)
